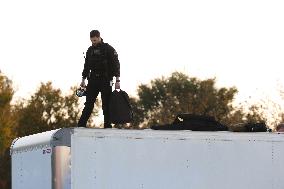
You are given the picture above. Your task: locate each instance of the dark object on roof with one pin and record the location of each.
(192, 122)
(256, 127)
(249, 127)
(280, 127)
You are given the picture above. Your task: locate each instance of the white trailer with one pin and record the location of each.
(81, 158)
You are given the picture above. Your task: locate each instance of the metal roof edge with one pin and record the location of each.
(12, 145)
(62, 137)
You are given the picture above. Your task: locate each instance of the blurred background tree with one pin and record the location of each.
(8, 122)
(7, 117)
(47, 109)
(160, 101)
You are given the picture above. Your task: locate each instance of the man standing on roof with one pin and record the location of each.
(101, 65)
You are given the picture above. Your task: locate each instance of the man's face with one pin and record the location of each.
(95, 40)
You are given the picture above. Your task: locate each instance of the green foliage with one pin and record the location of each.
(7, 118)
(255, 115)
(6, 90)
(7, 133)
(71, 108)
(137, 113)
(48, 109)
(161, 100)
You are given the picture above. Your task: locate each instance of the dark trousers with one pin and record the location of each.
(96, 85)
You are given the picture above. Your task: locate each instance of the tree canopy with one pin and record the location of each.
(161, 100)
(7, 117)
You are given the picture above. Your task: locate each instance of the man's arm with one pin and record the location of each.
(115, 66)
(116, 69)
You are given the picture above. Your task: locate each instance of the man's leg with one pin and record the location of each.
(105, 94)
(92, 93)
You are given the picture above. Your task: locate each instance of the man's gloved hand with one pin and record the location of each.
(83, 83)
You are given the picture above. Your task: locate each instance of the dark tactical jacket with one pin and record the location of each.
(102, 60)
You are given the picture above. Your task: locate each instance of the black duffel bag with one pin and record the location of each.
(120, 108)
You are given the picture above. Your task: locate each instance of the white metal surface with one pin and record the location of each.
(31, 169)
(39, 140)
(34, 159)
(122, 159)
(130, 159)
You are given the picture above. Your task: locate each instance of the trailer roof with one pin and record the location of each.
(62, 137)
(49, 138)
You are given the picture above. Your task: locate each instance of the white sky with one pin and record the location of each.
(241, 43)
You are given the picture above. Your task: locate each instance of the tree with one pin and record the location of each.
(8, 121)
(48, 109)
(161, 100)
